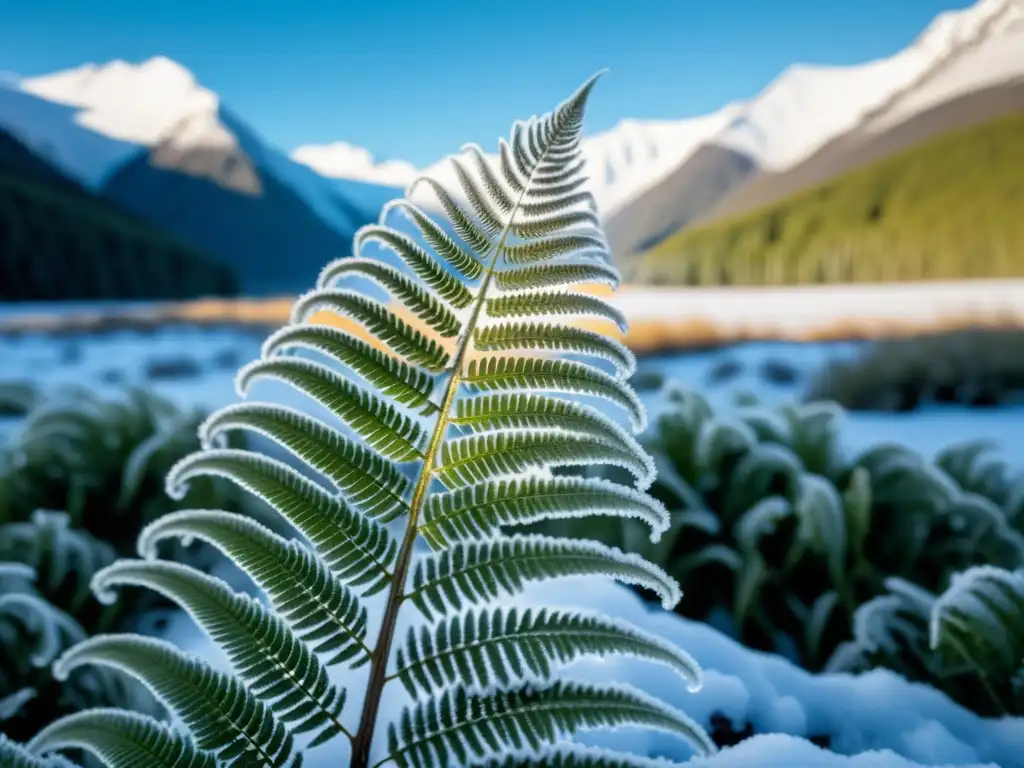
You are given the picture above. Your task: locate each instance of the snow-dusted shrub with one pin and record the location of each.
(967, 641)
(103, 461)
(778, 538)
(46, 606)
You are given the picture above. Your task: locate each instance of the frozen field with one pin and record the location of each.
(878, 720)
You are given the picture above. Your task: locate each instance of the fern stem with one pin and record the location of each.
(379, 663)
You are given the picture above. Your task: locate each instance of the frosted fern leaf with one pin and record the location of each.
(436, 416)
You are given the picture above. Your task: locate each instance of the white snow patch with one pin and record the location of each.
(1000, 60)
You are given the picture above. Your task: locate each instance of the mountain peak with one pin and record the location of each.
(130, 102)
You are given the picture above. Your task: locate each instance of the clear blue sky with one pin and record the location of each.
(417, 78)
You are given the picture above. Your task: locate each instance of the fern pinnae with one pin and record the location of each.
(514, 174)
(542, 303)
(369, 481)
(274, 663)
(478, 238)
(481, 511)
(320, 608)
(466, 723)
(526, 410)
(422, 264)
(503, 374)
(218, 711)
(378, 320)
(453, 253)
(389, 375)
(471, 572)
(423, 303)
(384, 428)
(358, 549)
(548, 275)
(500, 647)
(474, 458)
(538, 336)
(495, 189)
(122, 740)
(492, 221)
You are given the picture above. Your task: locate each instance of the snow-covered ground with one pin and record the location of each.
(195, 366)
(911, 723)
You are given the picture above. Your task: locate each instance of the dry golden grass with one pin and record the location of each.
(645, 336)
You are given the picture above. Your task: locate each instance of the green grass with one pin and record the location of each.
(60, 242)
(951, 208)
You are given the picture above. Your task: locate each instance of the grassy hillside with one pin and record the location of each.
(950, 208)
(58, 241)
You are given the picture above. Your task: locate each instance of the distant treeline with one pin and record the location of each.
(58, 241)
(949, 209)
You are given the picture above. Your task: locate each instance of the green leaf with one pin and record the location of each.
(476, 571)
(121, 740)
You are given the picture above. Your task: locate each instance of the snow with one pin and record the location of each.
(804, 311)
(130, 105)
(91, 119)
(124, 106)
(878, 711)
(878, 718)
(1000, 60)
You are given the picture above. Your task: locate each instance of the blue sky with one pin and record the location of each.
(417, 78)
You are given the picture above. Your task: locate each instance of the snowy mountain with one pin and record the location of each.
(805, 125)
(164, 147)
(151, 137)
(795, 115)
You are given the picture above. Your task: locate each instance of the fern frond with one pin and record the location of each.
(513, 336)
(319, 608)
(389, 375)
(421, 302)
(276, 666)
(480, 511)
(465, 724)
(359, 550)
(122, 740)
(536, 303)
(375, 420)
(220, 714)
(476, 571)
(369, 482)
(496, 647)
(476, 458)
(451, 419)
(458, 258)
(379, 320)
(504, 374)
(422, 264)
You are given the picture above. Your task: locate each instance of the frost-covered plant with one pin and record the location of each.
(103, 462)
(779, 537)
(453, 439)
(34, 631)
(967, 641)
